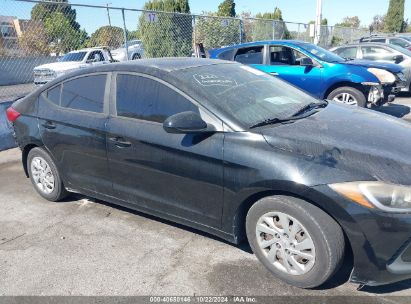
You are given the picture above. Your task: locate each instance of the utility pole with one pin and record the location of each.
(108, 14)
(318, 18)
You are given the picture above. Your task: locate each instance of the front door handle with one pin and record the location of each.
(49, 125)
(274, 73)
(120, 142)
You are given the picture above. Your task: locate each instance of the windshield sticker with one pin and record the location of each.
(252, 70)
(214, 80)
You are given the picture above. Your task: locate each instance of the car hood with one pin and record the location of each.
(60, 66)
(394, 68)
(347, 142)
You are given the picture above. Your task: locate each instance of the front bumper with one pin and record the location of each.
(379, 95)
(380, 241)
(43, 76)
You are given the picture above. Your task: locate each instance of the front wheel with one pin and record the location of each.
(348, 95)
(295, 240)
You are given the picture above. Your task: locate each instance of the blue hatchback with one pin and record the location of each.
(320, 72)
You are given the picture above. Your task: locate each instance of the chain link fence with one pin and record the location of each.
(34, 33)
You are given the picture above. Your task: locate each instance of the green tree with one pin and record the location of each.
(378, 23)
(111, 36)
(164, 34)
(61, 30)
(61, 35)
(394, 20)
(217, 32)
(226, 9)
(45, 9)
(34, 40)
(270, 26)
(350, 22)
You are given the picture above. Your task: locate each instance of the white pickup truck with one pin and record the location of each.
(71, 61)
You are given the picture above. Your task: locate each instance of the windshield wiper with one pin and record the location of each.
(270, 121)
(309, 107)
(296, 116)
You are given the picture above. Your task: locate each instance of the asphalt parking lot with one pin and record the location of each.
(86, 247)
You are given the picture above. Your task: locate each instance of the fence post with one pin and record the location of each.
(194, 31)
(125, 32)
(273, 30)
(241, 31)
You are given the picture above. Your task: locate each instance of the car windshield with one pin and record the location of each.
(246, 95)
(401, 49)
(77, 56)
(132, 43)
(408, 38)
(321, 53)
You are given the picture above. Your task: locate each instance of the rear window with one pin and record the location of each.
(252, 55)
(84, 93)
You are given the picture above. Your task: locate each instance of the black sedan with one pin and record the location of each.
(235, 152)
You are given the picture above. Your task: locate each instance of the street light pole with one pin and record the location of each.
(108, 14)
(318, 18)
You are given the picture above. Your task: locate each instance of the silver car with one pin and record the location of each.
(135, 51)
(379, 52)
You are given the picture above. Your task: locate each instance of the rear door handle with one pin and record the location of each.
(49, 125)
(274, 73)
(120, 142)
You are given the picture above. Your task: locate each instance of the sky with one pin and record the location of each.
(293, 10)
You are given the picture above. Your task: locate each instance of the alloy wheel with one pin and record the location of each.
(286, 243)
(346, 98)
(42, 175)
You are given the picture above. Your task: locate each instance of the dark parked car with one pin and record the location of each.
(235, 152)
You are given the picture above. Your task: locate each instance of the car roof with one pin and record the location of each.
(167, 64)
(162, 68)
(256, 43)
(363, 44)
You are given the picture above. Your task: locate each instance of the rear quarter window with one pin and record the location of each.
(54, 94)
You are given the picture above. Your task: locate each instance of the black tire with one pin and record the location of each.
(136, 56)
(357, 94)
(59, 191)
(326, 235)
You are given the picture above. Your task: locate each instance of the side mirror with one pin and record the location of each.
(92, 60)
(305, 61)
(186, 123)
(398, 58)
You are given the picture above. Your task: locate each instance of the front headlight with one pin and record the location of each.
(387, 197)
(383, 76)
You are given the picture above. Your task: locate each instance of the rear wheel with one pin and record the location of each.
(136, 56)
(295, 240)
(45, 176)
(348, 95)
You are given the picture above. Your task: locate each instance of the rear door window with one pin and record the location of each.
(84, 93)
(147, 99)
(376, 53)
(250, 55)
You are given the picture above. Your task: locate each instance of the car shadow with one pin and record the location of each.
(340, 278)
(396, 110)
(384, 289)
(244, 246)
